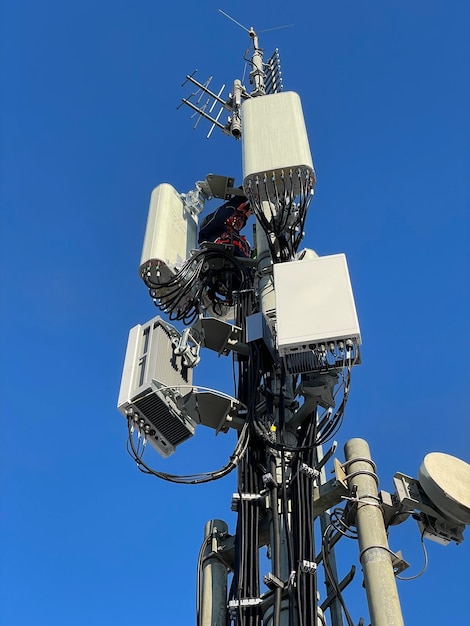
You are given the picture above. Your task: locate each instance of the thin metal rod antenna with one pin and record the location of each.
(235, 21)
(265, 30)
(268, 30)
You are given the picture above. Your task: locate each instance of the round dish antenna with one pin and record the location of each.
(446, 481)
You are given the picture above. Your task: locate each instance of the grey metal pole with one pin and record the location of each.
(265, 274)
(374, 555)
(257, 74)
(213, 608)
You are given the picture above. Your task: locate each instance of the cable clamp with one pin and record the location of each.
(238, 497)
(233, 605)
(361, 500)
(309, 471)
(273, 582)
(308, 567)
(268, 480)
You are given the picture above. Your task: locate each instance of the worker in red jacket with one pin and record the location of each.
(225, 223)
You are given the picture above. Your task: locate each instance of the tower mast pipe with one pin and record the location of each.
(214, 577)
(257, 73)
(375, 555)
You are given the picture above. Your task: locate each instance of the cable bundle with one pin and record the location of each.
(136, 453)
(282, 217)
(209, 276)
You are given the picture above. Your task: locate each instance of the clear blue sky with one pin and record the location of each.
(88, 127)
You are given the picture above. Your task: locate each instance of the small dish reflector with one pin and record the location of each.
(446, 481)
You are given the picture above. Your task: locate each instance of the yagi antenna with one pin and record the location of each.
(265, 77)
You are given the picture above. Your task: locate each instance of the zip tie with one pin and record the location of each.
(359, 500)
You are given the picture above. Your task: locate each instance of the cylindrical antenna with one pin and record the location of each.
(257, 73)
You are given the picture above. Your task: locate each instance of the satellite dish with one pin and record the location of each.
(446, 481)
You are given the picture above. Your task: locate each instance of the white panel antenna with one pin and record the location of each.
(170, 235)
(275, 147)
(154, 384)
(278, 174)
(171, 231)
(316, 319)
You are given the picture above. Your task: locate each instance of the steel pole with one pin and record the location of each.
(374, 555)
(213, 609)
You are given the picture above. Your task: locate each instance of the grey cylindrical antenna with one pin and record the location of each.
(236, 122)
(257, 73)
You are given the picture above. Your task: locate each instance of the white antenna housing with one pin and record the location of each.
(171, 231)
(154, 382)
(275, 142)
(315, 313)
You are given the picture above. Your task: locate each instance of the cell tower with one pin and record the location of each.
(287, 318)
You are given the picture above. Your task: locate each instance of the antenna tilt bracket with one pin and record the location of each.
(432, 523)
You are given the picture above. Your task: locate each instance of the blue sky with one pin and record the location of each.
(88, 127)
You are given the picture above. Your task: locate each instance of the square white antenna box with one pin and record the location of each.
(314, 304)
(275, 142)
(153, 380)
(171, 231)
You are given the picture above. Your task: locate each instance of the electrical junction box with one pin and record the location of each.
(275, 142)
(315, 311)
(171, 231)
(154, 385)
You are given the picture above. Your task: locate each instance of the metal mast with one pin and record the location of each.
(277, 475)
(287, 317)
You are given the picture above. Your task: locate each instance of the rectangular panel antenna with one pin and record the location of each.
(154, 382)
(275, 142)
(171, 231)
(315, 310)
